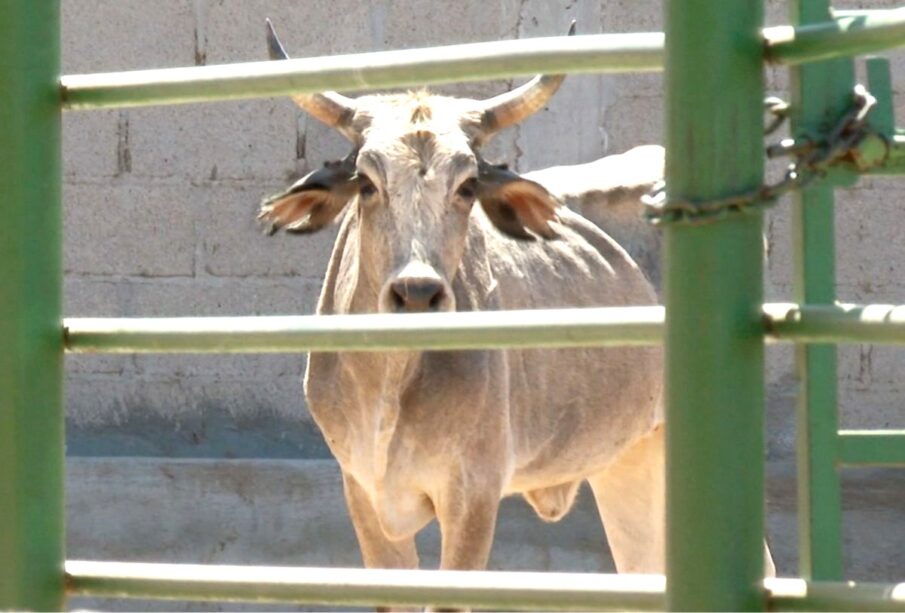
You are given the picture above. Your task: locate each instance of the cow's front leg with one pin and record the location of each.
(377, 550)
(467, 523)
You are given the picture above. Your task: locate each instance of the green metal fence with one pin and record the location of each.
(713, 282)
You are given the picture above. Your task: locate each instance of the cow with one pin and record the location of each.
(428, 225)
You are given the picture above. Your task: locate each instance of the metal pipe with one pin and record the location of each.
(538, 328)
(31, 350)
(351, 587)
(713, 291)
(478, 589)
(403, 68)
(802, 595)
(836, 323)
(848, 35)
(818, 90)
(615, 326)
(872, 448)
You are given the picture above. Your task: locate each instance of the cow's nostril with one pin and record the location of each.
(415, 294)
(398, 299)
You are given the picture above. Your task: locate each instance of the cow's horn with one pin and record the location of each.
(333, 109)
(512, 107)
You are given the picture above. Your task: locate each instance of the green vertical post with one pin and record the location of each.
(31, 349)
(820, 93)
(713, 292)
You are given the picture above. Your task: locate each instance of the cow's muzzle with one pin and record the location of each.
(416, 289)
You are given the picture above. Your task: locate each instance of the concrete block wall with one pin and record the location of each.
(160, 206)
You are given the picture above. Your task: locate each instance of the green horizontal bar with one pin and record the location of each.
(403, 68)
(612, 326)
(839, 323)
(846, 36)
(465, 330)
(801, 595)
(633, 52)
(350, 587)
(872, 447)
(478, 589)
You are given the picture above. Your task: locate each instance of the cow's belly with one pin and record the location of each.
(573, 412)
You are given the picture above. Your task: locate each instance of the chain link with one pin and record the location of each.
(812, 160)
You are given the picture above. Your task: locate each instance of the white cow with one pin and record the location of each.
(428, 225)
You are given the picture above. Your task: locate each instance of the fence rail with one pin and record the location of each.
(634, 52)
(486, 589)
(475, 330)
(379, 70)
(589, 327)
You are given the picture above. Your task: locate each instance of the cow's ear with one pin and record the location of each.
(313, 201)
(518, 207)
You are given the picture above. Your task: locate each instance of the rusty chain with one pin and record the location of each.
(812, 160)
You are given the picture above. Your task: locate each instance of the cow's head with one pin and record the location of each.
(414, 175)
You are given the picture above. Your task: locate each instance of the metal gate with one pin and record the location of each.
(712, 219)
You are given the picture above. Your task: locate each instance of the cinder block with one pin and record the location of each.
(632, 16)
(112, 35)
(878, 407)
(415, 23)
(632, 84)
(252, 369)
(778, 266)
(232, 242)
(876, 365)
(98, 400)
(178, 399)
(129, 229)
(250, 140)
(855, 366)
(867, 238)
(213, 296)
(552, 18)
(630, 122)
(88, 296)
(781, 395)
(235, 30)
(93, 144)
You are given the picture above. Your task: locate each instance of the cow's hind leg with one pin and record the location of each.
(630, 496)
(377, 551)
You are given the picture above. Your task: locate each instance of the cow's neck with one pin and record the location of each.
(381, 380)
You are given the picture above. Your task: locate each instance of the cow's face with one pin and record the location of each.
(414, 176)
(417, 182)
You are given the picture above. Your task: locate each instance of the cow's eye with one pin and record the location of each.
(467, 189)
(366, 187)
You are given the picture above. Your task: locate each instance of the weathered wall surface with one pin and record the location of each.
(160, 206)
